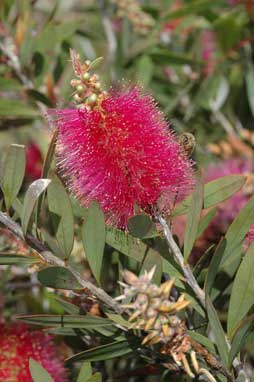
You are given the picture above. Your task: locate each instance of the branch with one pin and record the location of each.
(50, 259)
(192, 282)
(190, 279)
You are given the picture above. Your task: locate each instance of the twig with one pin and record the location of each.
(191, 281)
(50, 259)
(176, 252)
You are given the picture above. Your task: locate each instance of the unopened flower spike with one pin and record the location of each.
(153, 311)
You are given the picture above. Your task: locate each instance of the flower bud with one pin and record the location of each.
(86, 76)
(92, 99)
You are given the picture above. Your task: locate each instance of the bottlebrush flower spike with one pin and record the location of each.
(121, 153)
(18, 344)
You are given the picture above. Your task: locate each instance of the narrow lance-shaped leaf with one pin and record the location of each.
(60, 206)
(145, 69)
(142, 226)
(13, 173)
(250, 87)
(236, 233)
(46, 169)
(188, 9)
(94, 235)
(241, 299)
(96, 377)
(217, 330)
(240, 337)
(100, 353)
(205, 221)
(34, 191)
(126, 244)
(214, 266)
(10, 108)
(15, 259)
(85, 372)
(193, 218)
(38, 373)
(58, 278)
(215, 192)
(67, 321)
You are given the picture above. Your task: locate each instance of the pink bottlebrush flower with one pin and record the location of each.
(34, 161)
(18, 344)
(122, 155)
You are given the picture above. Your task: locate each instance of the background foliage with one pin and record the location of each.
(197, 61)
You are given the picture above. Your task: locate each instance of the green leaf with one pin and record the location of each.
(241, 299)
(127, 244)
(141, 226)
(58, 278)
(193, 218)
(145, 69)
(165, 56)
(236, 233)
(202, 340)
(85, 373)
(9, 84)
(34, 191)
(10, 109)
(93, 236)
(233, 25)
(38, 373)
(151, 260)
(49, 156)
(189, 9)
(67, 306)
(67, 321)
(213, 92)
(60, 206)
(119, 320)
(205, 221)
(214, 266)
(104, 352)
(51, 242)
(218, 333)
(15, 259)
(13, 173)
(239, 337)
(96, 377)
(215, 192)
(249, 79)
(39, 97)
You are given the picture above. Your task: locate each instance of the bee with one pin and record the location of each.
(188, 143)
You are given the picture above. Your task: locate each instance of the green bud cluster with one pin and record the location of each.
(88, 92)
